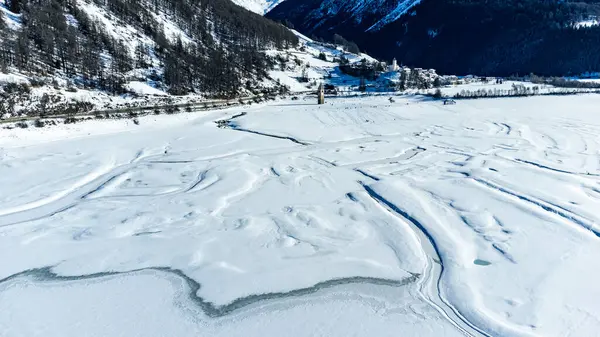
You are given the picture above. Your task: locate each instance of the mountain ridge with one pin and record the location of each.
(461, 36)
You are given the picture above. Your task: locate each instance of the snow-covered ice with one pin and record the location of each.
(358, 217)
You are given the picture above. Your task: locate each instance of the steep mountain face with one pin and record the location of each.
(212, 47)
(258, 6)
(487, 37)
(364, 15)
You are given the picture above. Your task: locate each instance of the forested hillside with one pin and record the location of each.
(212, 47)
(484, 37)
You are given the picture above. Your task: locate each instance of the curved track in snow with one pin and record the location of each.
(429, 283)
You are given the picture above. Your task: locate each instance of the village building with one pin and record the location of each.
(394, 66)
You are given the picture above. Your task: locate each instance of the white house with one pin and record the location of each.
(393, 66)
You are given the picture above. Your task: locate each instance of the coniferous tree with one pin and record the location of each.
(15, 6)
(2, 25)
(22, 51)
(91, 64)
(403, 81)
(5, 45)
(413, 78)
(141, 55)
(114, 81)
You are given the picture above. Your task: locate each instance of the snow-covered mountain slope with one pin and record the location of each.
(402, 7)
(303, 68)
(258, 6)
(122, 30)
(213, 50)
(298, 69)
(339, 13)
(497, 38)
(377, 13)
(105, 54)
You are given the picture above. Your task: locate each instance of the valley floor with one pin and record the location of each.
(359, 217)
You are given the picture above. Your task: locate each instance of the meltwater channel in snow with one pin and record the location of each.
(359, 217)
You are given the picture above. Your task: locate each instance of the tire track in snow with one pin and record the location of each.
(504, 128)
(544, 167)
(68, 200)
(236, 128)
(81, 183)
(366, 174)
(230, 124)
(93, 183)
(103, 185)
(79, 192)
(561, 212)
(432, 275)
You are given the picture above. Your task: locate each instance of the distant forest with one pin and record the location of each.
(483, 37)
(226, 53)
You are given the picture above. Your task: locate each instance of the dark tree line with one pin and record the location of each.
(15, 6)
(2, 26)
(485, 37)
(496, 37)
(223, 44)
(363, 69)
(348, 45)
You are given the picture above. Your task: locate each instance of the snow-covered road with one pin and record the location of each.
(359, 217)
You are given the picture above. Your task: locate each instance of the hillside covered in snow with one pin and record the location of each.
(213, 49)
(96, 57)
(258, 6)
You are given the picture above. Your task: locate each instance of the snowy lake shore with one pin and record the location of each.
(359, 217)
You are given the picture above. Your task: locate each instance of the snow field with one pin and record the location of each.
(472, 219)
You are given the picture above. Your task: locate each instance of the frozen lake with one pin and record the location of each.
(359, 217)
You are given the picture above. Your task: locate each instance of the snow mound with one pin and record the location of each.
(143, 88)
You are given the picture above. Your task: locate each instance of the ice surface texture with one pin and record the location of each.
(357, 217)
